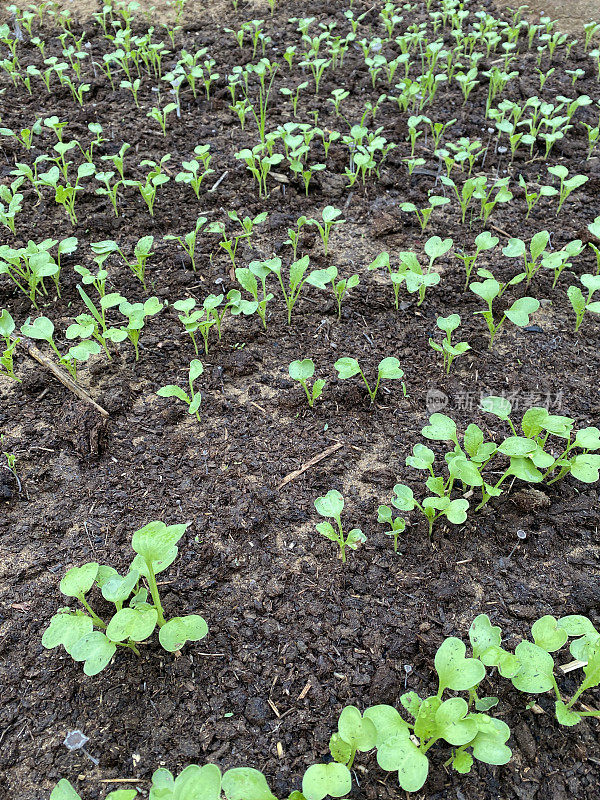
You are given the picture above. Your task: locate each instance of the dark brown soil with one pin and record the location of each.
(294, 635)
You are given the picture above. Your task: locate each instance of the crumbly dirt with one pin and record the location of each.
(294, 636)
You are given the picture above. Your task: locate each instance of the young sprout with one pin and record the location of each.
(580, 303)
(388, 369)
(483, 242)
(332, 505)
(448, 350)
(197, 169)
(533, 197)
(136, 314)
(7, 327)
(303, 371)
(188, 241)
(594, 229)
(323, 278)
(566, 185)
(518, 313)
(247, 278)
(87, 637)
(160, 115)
(423, 215)
(558, 260)
(193, 399)
(200, 319)
(330, 218)
(516, 248)
(396, 525)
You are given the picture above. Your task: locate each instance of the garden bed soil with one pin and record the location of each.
(294, 635)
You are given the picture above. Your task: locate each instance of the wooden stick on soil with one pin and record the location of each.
(315, 460)
(66, 381)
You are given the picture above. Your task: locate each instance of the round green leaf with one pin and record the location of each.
(440, 428)
(359, 732)
(64, 791)
(179, 630)
(66, 629)
(302, 370)
(346, 367)
(136, 624)
(196, 783)
(536, 669)
(244, 783)
(77, 581)
(330, 505)
(389, 368)
(321, 780)
(454, 670)
(95, 649)
(156, 544)
(547, 634)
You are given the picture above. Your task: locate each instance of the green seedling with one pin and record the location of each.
(142, 251)
(10, 203)
(516, 248)
(567, 185)
(533, 197)
(332, 505)
(423, 215)
(415, 278)
(42, 329)
(248, 278)
(201, 319)
(160, 115)
(330, 217)
(87, 637)
(196, 170)
(483, 242)
(230, 243)
(155, 178)
(109, 190)
(259, 165)
(325, 278)
(580, 302)
(531, 667)
(396, 525)
(403, 747)
(448, 350)
(7, 327)
(518, 313)
(558, 260)
(388, 369)
(527, 453)
(136, 314)
(303, 371)
(193, 399)
(594, 229)
(297, 277)
(188, 241)
(239, 783)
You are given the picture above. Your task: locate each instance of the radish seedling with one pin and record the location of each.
(388, 369)
(558, 260)
(188, 241)
(193, 399)
(518, 313)
(200, 319)
(483, 242)
(448, 350)
(197, 169)
(324, 278)
(396, 525)
(136, 314)
(303, 371)
(330, 218)
(566, 185)
(296, 279)
(247, 278)
(7, 327)
(332, 505)
(87, 637)
(580, 303)
(423, 215)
